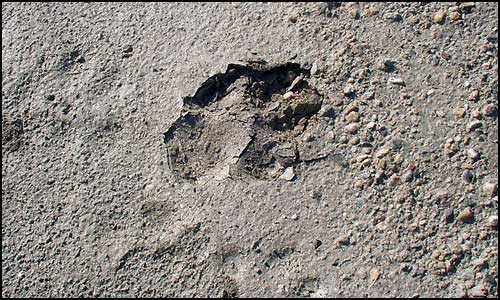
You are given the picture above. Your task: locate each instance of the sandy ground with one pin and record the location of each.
(403, 204)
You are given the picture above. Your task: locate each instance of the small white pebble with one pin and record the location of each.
(307, 137)
(489, 189)
(396, 81)
(314, 69)
(288, 174)
(472, 153)
(493, 220)
(287, 95)
(371, 125)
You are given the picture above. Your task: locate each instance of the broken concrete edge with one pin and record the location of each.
(190, 118)
(210, 86)
(215, 86)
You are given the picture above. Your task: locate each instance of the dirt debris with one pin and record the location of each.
(251, 120)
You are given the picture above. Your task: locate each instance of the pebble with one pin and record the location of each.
(439, 17)
(476, 113)
(337, 101)
(467, 6)
(489, 189)
(396, 81)
(352, 117)
(398, 159)
(394, 17)
(493, 221)
(448, 215)
(314, 69)
(489, 110)
(413, 20)
(474, 125)
(382, 152)
(367, 150)
(455, 16)
(407, 176)
(372, 10)
(393, 180)
(327, 110)
(457, 250)
(343, 240)
(359, 184)
(436, 254)
(288, 174)
(354, 141)
(474, 95)
(473, 154)
(466, 215)
(374, 275)
(369, 95)
(385, 65)
(343, 139)
(330, 136)
(307, 137)
(467, 176)
(287, 95)
(352, 128)
(361, 272)
(350, 107)
(294, 217)
(404, 267)
(379, 176)
(459, 112)
(349, 90)
(296, 82)
(362, 157)
(450, 149)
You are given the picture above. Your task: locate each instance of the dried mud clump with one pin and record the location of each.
(254, 120)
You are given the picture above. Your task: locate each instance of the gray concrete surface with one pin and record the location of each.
(404, 205)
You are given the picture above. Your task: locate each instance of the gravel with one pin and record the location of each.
(388, 160)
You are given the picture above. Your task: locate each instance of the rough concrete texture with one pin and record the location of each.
(397, 111)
